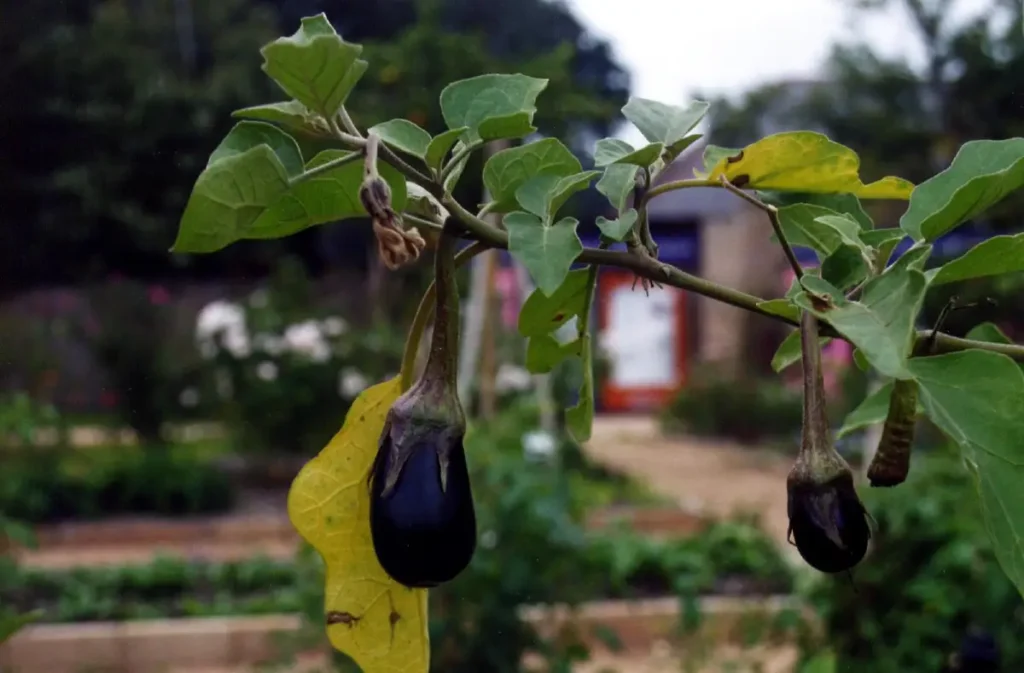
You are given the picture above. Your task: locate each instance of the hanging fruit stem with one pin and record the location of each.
(816, 438)
(443, 358)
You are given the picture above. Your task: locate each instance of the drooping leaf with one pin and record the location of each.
(546, 250)
(403, 135)
(579, 418)
(509, 99)
(248, 134)
(619, 228)
(544, 313)
(844, 204)
(544, 352)
(439, 147)
(617, 184)
(789, 352)
(509, 169)
(845, 267)
(781, 307)
(977, 399)
(614, 151)
(881, 324)
(804, 161)
(982, 173)
(381, 624)
(291, 114)
(315, 66)
(663, 123)
(994, 257)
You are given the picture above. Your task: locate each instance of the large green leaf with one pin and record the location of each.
(315, 66)
(403, 135)
(818, 228)
(546, 250)
(508, 100)
(543, 195)
(544, 313)
(248, 134)
(617, 184)
(663, 123)
(982, 173)
(544, 352)
(881, 324)
(977, 398)
(506, 171)
(994, 257)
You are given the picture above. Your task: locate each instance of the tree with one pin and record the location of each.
(413, 528)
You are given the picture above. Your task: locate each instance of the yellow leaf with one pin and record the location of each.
(381, 624)
(804, 161)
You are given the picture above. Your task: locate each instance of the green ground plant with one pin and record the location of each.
(395, 477)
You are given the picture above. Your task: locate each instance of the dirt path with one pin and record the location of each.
(699, 474)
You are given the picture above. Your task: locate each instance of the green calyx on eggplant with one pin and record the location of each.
(827, 521)
(422, 519)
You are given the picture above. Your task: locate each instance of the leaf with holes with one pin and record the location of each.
(506, 171)
(619, 228)
(546, 250)
(982, 173)
(977, 399)
(381, 624)
(507, 101)
(804, 161)
(315, 66)
(403, 135)
(663, 123)
(544, 313)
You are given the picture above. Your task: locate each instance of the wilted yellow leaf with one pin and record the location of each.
(804, 161)
(381, 624)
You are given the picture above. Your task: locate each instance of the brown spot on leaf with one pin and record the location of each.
(741, 180)
(734, 159)
(822, 304)
(559, 317)
(346, 618)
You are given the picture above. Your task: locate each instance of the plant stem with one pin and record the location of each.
(773, 215)
(666, 187)
(424, 312)
(816, 436)
(325, 167)
(442, 360)
(418, 221)
(456, 159)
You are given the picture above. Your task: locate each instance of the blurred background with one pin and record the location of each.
(155, 407)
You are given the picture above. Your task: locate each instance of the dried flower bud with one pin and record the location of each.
(396, 246)
(422, 519)
(827, 522)
(375, 195)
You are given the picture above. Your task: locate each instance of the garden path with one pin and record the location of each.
(709, 476)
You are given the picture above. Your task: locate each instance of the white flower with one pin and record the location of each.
(189, 397)
(307, 339)
(539, 445)
(334, 326)
(228, 320)
(266, 370)
(351, 382)
(512, 378)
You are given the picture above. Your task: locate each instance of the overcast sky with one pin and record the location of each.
(729, 46)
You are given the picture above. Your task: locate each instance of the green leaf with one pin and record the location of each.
(845, 204)
(542, 313)
(781, 307)
(848, 228)
(617, 184)
(569, 185)
(509, 169)
(861, 361)
(518, 125)
(439, 147)
(994, 257)
(977, 399)
(884, 241)
(403, 135)
(882, 323)
(673, 150)
(579, 419)
(543, 195)
(544, 352)
(315, 66)
(617, 229)
(662, 123)
(714, 154)
(227, 199)
(470, 102)
(291, 114)
(845, 267)
(871, 411)
(802, 226)
(989, 332)
(11, 624)
(423, 203)
(789, 351)
(614, 151)
(982, 173)
(247, 134)
(546, 250)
